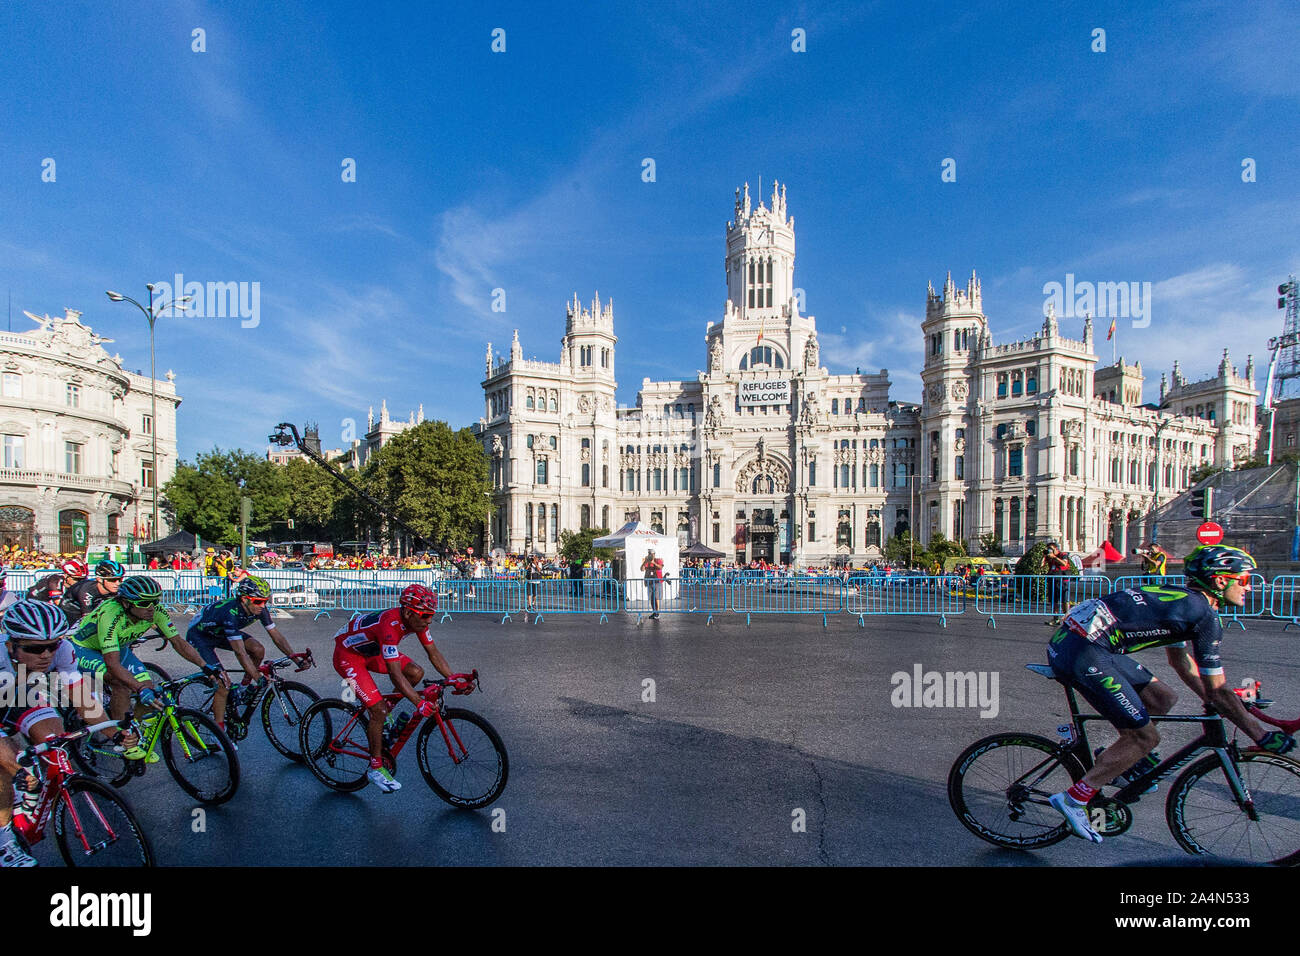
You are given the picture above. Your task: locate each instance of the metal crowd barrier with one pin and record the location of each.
(1284, 599)
(874, 594)
(478, 596)
(1257, 598)
(544, 596)
(788, 594)
(1030, 594)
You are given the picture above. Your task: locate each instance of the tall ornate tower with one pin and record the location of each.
(760, 256)
(953, 327)
(587, 348)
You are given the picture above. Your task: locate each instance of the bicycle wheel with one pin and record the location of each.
(94, 826)
(283, 707)
(1204, 817)
(999, 787)
(97, 760)
(465, 763)
(332, 740)
(200, 756)
(196, 695)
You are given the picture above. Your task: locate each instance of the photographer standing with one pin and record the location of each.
(1154, 559)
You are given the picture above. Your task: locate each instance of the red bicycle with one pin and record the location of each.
(461, 755)
(93, 823)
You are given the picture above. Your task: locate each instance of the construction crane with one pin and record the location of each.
(286, 433)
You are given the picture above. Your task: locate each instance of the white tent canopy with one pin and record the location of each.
(635, 539)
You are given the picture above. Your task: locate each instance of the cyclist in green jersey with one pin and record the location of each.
(103, 644)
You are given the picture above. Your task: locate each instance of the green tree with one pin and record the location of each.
(435, 480)
(315, 503)
(576, 545)
(990, 547)
(203, 497)
(1200, 474)
(900, 549)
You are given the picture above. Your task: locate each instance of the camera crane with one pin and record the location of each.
(286, 433)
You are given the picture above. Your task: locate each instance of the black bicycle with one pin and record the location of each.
(283, 702)
(1232, 803)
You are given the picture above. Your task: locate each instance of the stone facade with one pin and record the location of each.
(767, 454)
(75, 439)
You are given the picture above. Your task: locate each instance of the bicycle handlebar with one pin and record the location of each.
(27, 758)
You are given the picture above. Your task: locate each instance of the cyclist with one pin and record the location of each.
(51, 587)
(103, 645)
(34, 634)
(83, 597)
(369, 643)
(221, 626)
(1089, 652)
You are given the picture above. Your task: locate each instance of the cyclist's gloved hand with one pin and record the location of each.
(1276, 742)
(426, 708)
(148, 697)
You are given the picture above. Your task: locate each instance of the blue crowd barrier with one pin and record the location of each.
(912, 594)
(543, 596)
(1031, 594)
(788, 594)
(503, 597)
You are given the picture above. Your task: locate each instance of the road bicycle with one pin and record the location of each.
(283, 702)
(1231, 803)
(93, 824)
(199, 755)
(461, 755)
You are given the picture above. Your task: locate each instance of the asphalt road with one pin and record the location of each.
(747, 726)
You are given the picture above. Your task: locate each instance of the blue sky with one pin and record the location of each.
(522, 170)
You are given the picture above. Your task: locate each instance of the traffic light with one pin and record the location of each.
(1203, 503)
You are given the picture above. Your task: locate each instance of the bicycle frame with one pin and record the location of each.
(58, 768)
(1213, 738)
(432, 693)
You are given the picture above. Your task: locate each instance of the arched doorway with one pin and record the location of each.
(17, 527)
(74, 531)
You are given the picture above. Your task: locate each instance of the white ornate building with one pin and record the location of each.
(766, 454)
(76, 436)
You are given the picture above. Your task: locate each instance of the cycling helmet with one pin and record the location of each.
(109, 569)
(253, 586)
(417, 597)
(139, 590)
(75, 568)
(35, 621)
(1201, 566)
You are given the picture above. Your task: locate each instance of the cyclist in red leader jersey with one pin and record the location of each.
(369, 643)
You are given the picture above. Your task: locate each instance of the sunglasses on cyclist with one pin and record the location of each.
(255, 600)
(36, 648)
(423, 615)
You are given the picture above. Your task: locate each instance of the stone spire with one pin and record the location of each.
(383, 411)
(370, 418)
(1162, 388)
(1250, 368)
(516, 350)
(489, 360)
(1049, 324)
(1224, 367)
(1087, 331)
(419, 416)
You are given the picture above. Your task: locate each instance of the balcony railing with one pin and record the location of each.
(17, 476)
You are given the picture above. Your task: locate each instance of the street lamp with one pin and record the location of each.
(152, 314)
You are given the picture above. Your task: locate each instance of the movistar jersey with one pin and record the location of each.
(110, 628)
(227, 618)
(1152, 616)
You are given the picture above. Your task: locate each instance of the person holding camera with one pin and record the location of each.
(1154, 559)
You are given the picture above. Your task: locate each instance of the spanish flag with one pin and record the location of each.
(1111, 332)
(761, 323)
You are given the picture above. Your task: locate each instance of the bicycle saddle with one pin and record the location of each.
(1044, 669)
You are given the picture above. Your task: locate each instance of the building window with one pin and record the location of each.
(555, 522)
(146, 473)
(959, 467)
(541, 471)
(1016, 387)
(72, 457)
(1031, 382)
(1015, 464)
(528, 402)
(1031, 428)
(1002, 386)
(74, 396)
(604, 517)
(586, 476)
(585, 516)
(147, 425)
(812, 530)
(13, 451)
(604, 476)
(13, 385)
(1015, 519)
(552, 441)
(529, 441)
(844, 476)
(900, 474)
(812, 476)
(934, 469)
(717, 532)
